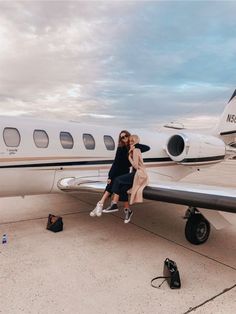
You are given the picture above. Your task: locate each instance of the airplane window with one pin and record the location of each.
(89, 141)
(109, 142)
(66, 139)
(41, 139)
(11, 137)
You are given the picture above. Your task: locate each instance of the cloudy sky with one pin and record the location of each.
(126, 63)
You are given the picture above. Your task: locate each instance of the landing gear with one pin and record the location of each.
(197, 228)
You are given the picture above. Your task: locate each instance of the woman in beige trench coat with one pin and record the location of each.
(140, 177)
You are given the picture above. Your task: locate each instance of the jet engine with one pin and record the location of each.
(191, 148)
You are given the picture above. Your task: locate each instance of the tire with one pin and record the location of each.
(197, 229)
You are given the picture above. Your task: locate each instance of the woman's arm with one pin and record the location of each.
(134, 157)
(142, 147)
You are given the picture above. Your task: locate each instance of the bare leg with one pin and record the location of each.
(104, 197)
(126, 204)
(115, 198)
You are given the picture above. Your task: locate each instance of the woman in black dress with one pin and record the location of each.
(120, 165)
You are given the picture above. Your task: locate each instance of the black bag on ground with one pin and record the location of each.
(55, 223)
(170, 274)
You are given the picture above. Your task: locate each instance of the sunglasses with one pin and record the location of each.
(123, 137)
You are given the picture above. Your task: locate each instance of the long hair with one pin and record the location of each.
(120, 142)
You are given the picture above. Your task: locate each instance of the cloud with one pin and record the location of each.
(132, 63)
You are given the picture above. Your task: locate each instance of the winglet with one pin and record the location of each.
(234, 94)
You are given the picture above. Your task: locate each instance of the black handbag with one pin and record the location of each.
(55, 223)
(170, 274)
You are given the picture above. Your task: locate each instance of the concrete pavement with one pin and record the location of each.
(101, 265)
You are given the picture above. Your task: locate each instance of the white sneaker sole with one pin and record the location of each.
(110, 211)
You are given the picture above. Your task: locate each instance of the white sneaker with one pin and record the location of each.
(97, 210)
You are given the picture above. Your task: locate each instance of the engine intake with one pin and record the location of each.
(194, 148)
(176, 145)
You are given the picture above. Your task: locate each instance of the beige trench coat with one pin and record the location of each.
(140, 178)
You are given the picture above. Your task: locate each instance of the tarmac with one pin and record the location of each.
(101, 265)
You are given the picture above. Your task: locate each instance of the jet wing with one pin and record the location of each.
(189, 194)
(195, 195)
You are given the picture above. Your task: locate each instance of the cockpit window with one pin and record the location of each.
(66, 139)
(11, 137)
(89, 141)
(109, 142)
(41, 139)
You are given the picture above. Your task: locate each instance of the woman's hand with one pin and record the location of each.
(132, 147)
(108, 181)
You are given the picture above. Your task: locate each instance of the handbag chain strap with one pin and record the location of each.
(159, 277)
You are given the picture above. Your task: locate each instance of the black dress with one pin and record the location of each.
(122, 184)
(121, 166)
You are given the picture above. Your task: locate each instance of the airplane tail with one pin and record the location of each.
(227, 123)
(226, 127)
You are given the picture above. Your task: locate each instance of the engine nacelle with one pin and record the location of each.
(191, 148)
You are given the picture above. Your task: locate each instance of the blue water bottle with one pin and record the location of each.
(4, 239)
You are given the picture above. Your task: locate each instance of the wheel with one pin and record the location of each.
(197, 229)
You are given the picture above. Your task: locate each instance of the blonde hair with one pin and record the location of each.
(135, 138)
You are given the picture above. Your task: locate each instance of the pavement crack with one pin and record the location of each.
(191, 309)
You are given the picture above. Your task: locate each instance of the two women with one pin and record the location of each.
(137, 179)
(121, 165)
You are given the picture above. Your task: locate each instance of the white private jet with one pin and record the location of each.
(40, 157)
